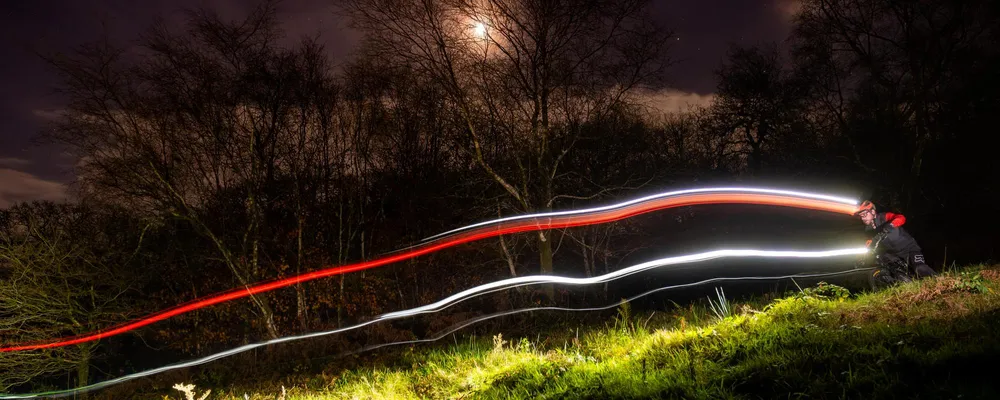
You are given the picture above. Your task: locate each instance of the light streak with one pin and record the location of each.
(780, 192)
(539, 279)
(534, 222)
(462, 325)
(470, 293)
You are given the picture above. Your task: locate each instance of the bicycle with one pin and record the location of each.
(888, 271)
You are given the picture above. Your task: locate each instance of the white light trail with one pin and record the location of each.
(538, 279)
(461, 296)
(783, 192)
(456, 327)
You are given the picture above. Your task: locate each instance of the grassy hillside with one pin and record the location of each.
(931, 339)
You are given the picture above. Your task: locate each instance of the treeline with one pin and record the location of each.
(215, 155)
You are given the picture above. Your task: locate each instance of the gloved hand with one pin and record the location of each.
(884, 231)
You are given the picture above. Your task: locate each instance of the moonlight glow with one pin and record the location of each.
(479, 29)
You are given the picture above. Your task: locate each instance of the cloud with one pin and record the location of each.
(17, 186)
(675, 101)
(13, 162)
(49, 114)
(789, 8)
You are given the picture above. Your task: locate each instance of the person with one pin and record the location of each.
(893, 244)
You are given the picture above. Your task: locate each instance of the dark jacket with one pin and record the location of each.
(893, 242)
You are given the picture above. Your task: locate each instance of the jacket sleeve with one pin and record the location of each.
(897, 220)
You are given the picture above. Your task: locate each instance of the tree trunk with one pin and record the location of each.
(913, 179)
(511, 262)
(587, 259)
(262, 303)
(272, 328)
(340, 302)
(509, 257)
(362, 250)
(756, 149)
(604, 257)
(340, 259)
(399, 287)
(300, 289)
(545, 255)
(83, 368)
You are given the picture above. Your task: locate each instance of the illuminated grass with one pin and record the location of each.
(930, 339)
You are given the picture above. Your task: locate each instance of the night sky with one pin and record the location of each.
(703, 29)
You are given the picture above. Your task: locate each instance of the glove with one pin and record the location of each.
(884, 231)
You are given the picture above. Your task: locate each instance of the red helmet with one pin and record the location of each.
(865, 206)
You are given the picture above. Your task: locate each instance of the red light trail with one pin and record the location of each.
(528, 223)
(454, 328)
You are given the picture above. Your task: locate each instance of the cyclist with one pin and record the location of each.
(891, 244)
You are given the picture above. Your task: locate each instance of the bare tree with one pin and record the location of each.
(521, 75)
(56, 282)
(200, 124)
(757, 105)
(896, 62)
(685, 145)
(308, 148)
